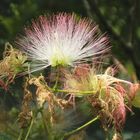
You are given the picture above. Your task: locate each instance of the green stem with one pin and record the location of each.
(20, 134)
(44, 123)
(29, 130)
(81, 127)
(57, 78)
(73, 91)
(47, 127)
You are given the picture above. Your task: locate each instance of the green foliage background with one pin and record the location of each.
(118, 18)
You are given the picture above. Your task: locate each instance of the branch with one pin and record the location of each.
(127, 49)
(81, 127)
(92, 3)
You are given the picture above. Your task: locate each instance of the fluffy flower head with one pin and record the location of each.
(63, 39)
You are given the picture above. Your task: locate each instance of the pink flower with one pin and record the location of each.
(63, 39)
(119, 114)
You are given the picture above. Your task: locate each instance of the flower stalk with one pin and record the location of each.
(29, 130)
(81, 127)
(73, 91)
(20, 134)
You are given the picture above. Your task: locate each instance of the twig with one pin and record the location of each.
(81, 127)
(88, 8)
(29, 130)
(126, 48)
(20, 135)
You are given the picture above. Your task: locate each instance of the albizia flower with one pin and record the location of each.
(107, 94)
(63, 39)
(92, 83)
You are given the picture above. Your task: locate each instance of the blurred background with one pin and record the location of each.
(119, 19)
